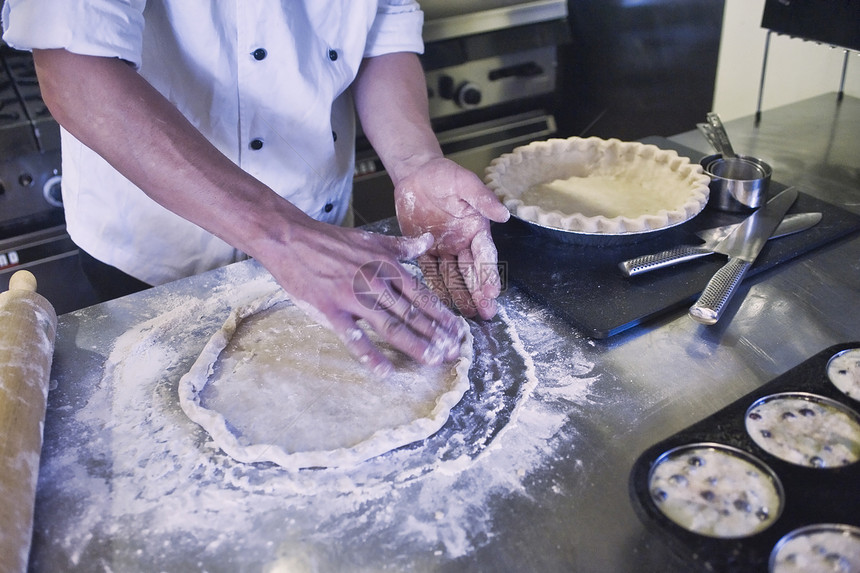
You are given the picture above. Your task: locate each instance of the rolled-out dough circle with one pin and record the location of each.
(274, 386)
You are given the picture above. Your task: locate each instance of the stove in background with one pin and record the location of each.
(32, 227)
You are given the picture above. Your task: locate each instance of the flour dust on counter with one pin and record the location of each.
(149, 490)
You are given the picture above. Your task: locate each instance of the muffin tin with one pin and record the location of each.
(793, 494)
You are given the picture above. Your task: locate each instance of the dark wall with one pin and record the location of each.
(638, 68)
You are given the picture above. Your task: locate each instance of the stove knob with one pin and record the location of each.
(445, 87)
(468, 95)
(25, 179)
(52, 191)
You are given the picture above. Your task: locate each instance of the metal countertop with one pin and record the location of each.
(561, 505)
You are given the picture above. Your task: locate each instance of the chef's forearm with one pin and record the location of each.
(109, 107)
(391, 98)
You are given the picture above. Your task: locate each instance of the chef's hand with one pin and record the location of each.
(453, 204)
(340, 275)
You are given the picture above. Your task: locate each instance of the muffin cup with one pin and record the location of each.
(819, 547)
(843, 371)
(715, 490)
(805, 429)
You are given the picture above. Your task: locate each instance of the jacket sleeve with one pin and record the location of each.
(397, 28)
(109, 28)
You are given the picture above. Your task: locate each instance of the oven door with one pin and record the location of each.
(473, 147)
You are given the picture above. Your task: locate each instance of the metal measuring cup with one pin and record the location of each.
(738, 182)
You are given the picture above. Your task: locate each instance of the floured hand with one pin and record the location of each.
(339, 276)
(453, 204)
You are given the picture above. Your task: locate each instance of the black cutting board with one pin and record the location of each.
(583, 284)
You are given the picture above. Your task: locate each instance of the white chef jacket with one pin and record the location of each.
(266, 81)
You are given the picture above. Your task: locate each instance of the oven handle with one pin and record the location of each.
(523, 70)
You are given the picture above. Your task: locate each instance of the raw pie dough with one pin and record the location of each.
(594, 185)
(272, 385)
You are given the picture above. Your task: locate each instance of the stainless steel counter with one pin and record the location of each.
(127, 483)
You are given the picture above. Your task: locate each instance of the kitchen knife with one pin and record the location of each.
(742, 247)
(790, 224)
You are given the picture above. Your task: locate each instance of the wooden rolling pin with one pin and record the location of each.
(28, 324)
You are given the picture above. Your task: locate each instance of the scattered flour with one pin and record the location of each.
(143, 488)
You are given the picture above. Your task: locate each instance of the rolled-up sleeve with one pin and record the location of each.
(397, 28)
(110, 28)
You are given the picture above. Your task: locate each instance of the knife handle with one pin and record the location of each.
(661, 260)
(719, 291)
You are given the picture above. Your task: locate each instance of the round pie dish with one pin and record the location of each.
(593, 187)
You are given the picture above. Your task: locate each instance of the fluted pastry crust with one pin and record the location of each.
(601, 186)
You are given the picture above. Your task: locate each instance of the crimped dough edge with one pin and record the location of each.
(382, 441)
(511, 174)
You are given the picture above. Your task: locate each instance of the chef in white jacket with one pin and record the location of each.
(199, 132)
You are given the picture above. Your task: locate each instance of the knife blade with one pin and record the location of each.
(639, 265)
(742, 247)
